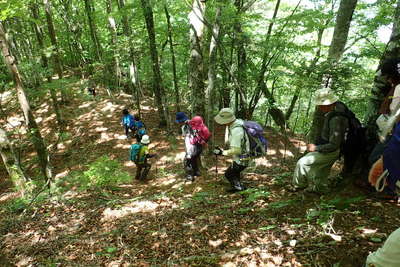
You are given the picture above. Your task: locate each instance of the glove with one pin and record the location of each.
(217, 151)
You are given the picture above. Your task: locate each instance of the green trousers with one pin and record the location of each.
(313, 170)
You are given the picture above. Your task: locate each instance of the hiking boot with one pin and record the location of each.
(293, 189)
(189, 178)
(197, 174)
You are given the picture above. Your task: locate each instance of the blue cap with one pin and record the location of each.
(181, 117)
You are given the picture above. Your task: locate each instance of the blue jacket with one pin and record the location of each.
(128, 120)
(391, 157)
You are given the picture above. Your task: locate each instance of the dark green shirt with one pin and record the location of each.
(334, 130)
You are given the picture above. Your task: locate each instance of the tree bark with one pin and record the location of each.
(92, 27)
(158, 86)
(171, 47)
(113, 33)
(33, 129)
(196, 65)
(336, 49)
(39, 37)
(392, 51)
(12, 163)
(212, 64)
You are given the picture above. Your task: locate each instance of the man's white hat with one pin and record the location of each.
(325, 97)
(145, 139)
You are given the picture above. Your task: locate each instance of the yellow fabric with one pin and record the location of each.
(144, 150)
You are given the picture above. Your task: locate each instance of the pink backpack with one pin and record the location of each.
(200, 130)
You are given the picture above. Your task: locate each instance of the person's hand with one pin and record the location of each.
(311, 148)
(217, 151)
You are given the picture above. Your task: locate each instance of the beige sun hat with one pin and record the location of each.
(145, 139)
(225, 116)
(325, 97)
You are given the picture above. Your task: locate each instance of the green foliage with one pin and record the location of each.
(254, 194)
(105, 172)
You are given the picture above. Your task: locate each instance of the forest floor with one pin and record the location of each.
(165, 221)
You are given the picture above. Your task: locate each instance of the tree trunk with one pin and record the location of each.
(392, 51)
(135, 85)
(158, 86)
(212, 64)
(39, 37)
(336, 49)
(341, 31)
(171, 47)
(113, 32)
(74, 27)
(53, 38)
(195, 65)
(12, 163)
(307, 73)
(92, 27)
(33, 129)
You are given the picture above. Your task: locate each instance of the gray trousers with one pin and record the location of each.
(313, 169)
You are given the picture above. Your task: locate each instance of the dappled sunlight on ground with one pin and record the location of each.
(167, 221)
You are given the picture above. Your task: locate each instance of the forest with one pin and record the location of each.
(72, 70)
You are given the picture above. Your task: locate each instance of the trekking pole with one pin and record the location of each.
(216, 166)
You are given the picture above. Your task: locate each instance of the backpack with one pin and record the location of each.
(135, 152)
(200, 132)
(355, 138)
(258, 144)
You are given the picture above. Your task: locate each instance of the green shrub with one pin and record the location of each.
(105, 172)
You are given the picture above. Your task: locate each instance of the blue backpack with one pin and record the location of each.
(258, 143)
(135, 150)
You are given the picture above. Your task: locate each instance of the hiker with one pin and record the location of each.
(91, 91)
(388, 255)
(139, 128)
(385, 172)
(139, 155)
(196, 135)
(391, 104)
(238, 146)
(128, 122)
(313, 169)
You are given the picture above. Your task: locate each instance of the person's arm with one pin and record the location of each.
(235, 142)
(395, 104)
(338, 126)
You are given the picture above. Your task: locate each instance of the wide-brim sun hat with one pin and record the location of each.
(181, 117)
(225, 116)
(145, 139)
(325, 97)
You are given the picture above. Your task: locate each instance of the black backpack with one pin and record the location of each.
(355, 141)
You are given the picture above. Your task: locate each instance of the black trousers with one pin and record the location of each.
(142, 170)
(127, 128)
(232, 174)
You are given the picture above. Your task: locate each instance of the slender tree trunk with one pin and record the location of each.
(196, 65)
(307, 74)
(135, 84)
(212, 64)
(33, 129)
(158, 86)
(336, 49)
(171, 47)
(39, 37)
(92, 27)
(114, 45)
(74, 27)
(12, 163)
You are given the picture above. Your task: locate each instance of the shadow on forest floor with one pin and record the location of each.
(166, 221)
